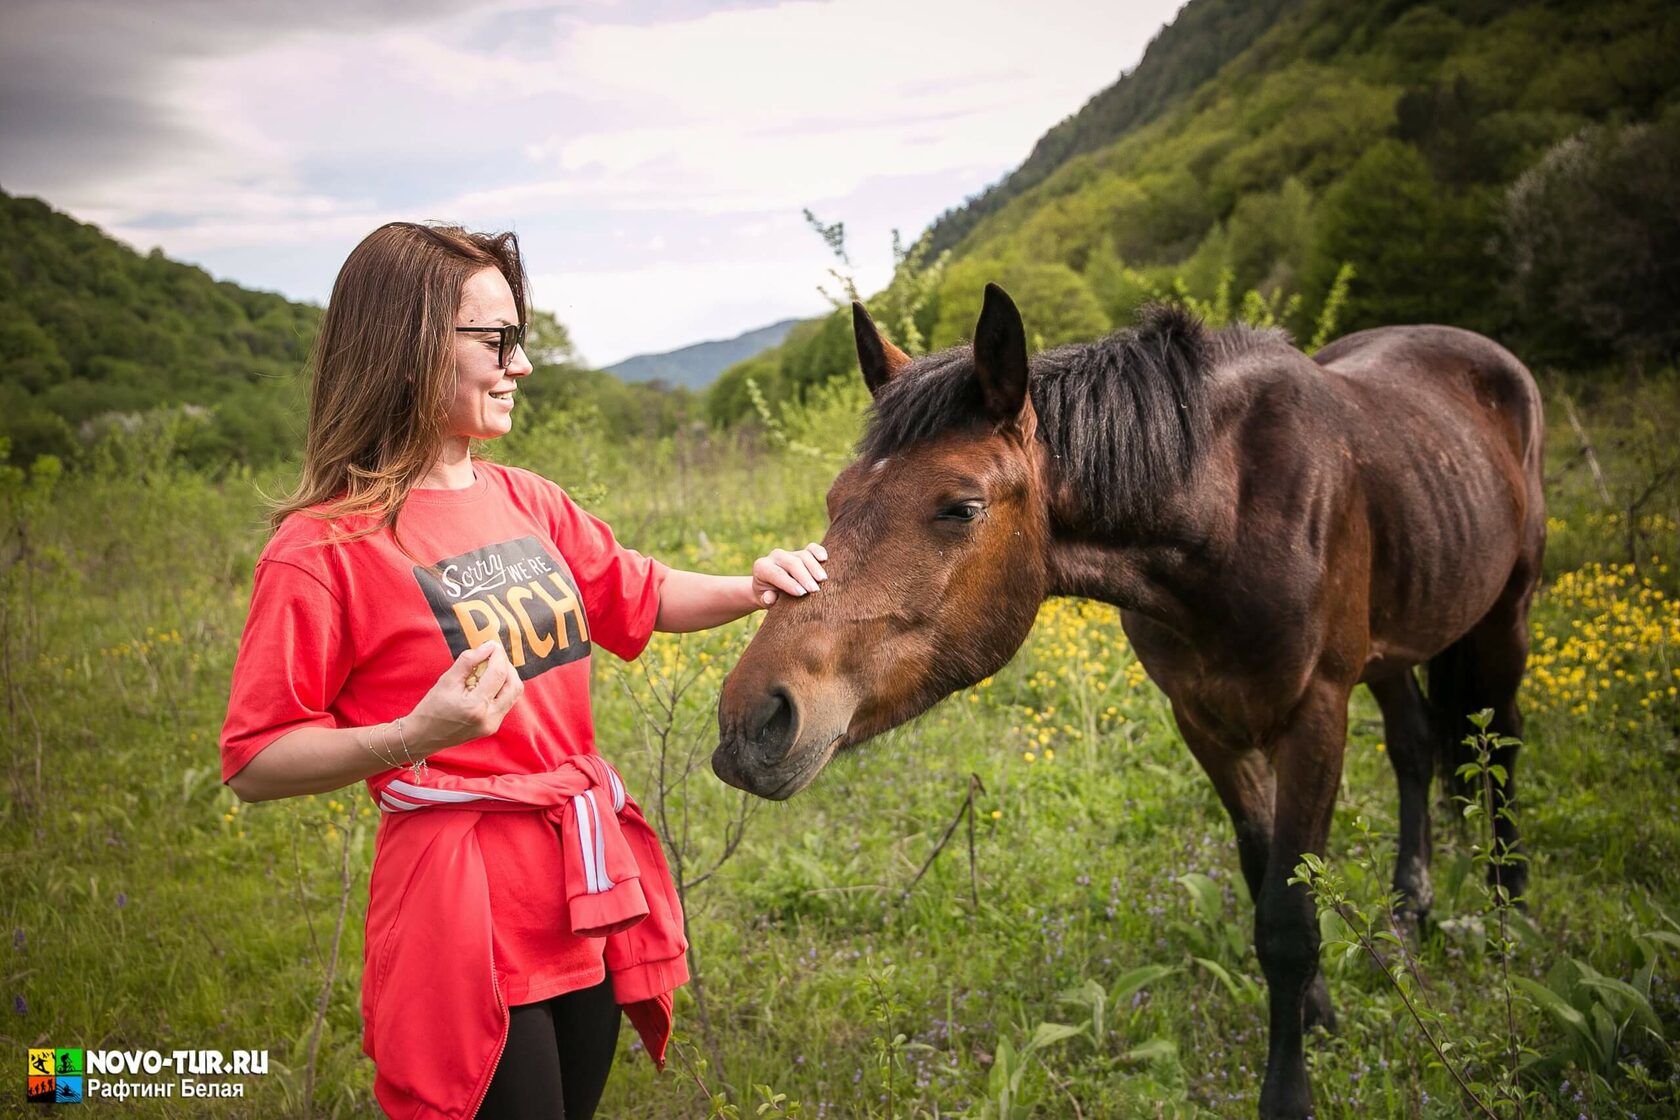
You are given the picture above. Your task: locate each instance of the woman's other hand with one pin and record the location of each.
(468, 702)
(788, 573)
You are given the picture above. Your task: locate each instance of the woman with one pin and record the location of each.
(423, 620)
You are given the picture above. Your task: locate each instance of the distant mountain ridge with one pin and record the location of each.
(696, 366)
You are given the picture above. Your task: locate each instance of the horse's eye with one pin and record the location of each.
(962, 511)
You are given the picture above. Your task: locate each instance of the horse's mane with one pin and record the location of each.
(1124, 417)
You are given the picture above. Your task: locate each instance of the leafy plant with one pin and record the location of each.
(1215, 943)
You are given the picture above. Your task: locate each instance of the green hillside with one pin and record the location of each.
(1185, 54)
(93, 333)
(1507, 167)
(96, 337)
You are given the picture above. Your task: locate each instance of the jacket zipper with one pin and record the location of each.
(501, 1047)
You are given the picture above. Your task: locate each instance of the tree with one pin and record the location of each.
(1591, 235)
(1055, 302)
(547, 341)
(816, 351)
(1419, 251)
(1119, 289)
(28, 355)
(729, 401)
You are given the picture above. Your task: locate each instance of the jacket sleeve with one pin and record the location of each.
(293, 659)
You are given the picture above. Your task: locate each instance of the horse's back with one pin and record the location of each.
(1444, 367)
(1444, 431)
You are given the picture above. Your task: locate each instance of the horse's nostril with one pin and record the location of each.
(774, 725)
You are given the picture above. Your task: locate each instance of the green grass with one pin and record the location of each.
(149, 909)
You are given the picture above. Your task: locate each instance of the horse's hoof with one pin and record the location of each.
(1319, 1012)
(1413, 926)
(1294, 1107)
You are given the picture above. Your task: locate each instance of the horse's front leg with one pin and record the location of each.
(1307, 759)
(1246, 786)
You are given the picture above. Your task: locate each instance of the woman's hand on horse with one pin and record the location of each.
(788, 573)
(469, 701)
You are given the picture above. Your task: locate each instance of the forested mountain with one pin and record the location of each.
(94, 335)
(1508, 167)
(91, 331)
(696, 366)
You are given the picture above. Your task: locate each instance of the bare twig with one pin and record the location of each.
(1062, 1084)
(1458, 1075)
(297, 883)
(1587, 450)
(331, 973)
(672, 737)
(966, 808)
(1658, 484)
(733, 833)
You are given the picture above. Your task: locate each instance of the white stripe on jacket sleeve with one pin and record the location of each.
(601, 875)
(586, 847)
(426, 793)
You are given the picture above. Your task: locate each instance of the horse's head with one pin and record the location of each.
(936, 543)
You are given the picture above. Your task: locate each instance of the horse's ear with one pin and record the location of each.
(1000, 356)
(879, 359)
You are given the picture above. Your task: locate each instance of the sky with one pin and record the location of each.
(655, 156)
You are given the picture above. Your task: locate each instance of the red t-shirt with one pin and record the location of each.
(351, 634)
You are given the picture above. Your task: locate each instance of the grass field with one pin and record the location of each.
(148, 908)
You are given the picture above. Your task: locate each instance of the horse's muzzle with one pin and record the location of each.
(770, 743)
(752, 752)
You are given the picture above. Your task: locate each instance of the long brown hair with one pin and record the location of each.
(384, 368)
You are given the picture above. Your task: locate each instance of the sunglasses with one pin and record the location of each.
(509, 339)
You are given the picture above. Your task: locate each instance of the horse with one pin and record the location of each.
(1276, 529)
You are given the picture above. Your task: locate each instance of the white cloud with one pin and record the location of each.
(651, 318)
(656, 167)
(768, 107)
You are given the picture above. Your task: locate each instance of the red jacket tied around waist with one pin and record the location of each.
(434, 1016)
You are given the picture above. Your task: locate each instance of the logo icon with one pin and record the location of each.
(57, 1075)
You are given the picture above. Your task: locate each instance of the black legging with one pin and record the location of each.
(557, 1051)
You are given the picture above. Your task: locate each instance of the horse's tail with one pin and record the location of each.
(1453, 699)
